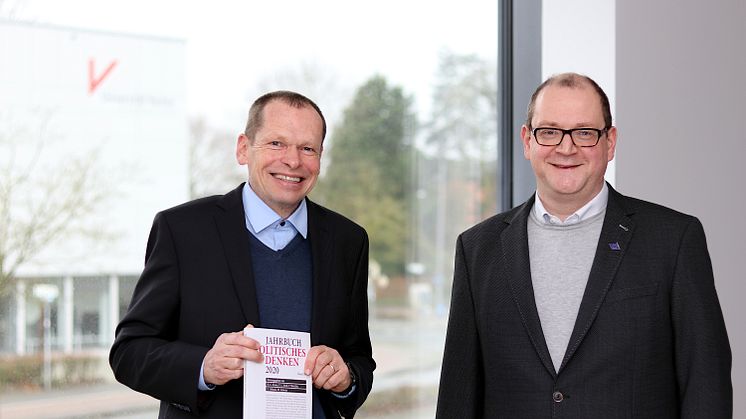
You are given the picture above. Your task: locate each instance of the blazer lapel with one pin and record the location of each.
(518, 270)
(321, 256)
(612, 244)
(231, 224)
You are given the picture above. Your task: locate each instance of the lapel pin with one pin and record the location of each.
(614, 246)
(623, 227)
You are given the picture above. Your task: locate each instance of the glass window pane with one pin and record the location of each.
(135, 112)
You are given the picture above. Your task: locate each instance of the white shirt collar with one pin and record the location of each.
(593, 207)
(260, 216)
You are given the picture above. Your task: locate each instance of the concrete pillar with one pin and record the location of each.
(67, 316)
(113, 309)
(20, 317)
(103, 314)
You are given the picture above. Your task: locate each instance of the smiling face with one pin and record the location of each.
(567, 176)
(284, 155)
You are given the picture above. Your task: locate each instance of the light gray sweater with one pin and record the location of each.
(561, 257)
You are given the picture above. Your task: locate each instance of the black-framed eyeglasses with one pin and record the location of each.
(581, 137)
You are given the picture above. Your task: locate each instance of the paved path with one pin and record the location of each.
(83, 402)
(404, 360)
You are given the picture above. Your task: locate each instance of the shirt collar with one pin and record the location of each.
(593, 207)
(260, 216)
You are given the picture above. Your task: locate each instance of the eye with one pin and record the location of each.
(309, 151)
(585, 133)
(548, 132)
(276, 145)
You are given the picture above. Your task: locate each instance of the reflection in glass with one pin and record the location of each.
(414, 165)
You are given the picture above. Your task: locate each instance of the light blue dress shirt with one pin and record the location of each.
(593, 207)
(267, 226)
(275, 232)
(271, 229)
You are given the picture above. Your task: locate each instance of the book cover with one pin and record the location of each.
(277, 387)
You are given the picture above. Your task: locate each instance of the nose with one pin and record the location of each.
(566, 147)
(291, 157)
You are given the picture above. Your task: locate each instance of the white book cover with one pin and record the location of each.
(277, 387)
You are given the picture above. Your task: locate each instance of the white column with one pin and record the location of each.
(103, 314)
(113, 308)
(20, 317)
(67, 314)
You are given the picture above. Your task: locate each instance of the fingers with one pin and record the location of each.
(225, 360)
(327, 369)
(311, 357)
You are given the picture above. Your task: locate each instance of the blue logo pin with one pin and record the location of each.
(614, 246)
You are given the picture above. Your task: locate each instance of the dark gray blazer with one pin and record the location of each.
(649, 340)
(198, 283)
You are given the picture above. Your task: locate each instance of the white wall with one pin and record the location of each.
(680, 106)
(135, 118)
(579, 36)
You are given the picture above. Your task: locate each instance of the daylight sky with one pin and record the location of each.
(233, 46)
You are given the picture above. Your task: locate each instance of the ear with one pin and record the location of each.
(526, 138)
(611, 142)
(242, 149)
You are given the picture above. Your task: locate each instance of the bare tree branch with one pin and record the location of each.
(212, 163)
(11, 9)
(37, 209)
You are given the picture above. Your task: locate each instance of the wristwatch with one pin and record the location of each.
(353, 377)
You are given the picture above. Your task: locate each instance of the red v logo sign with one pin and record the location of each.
(93, 80)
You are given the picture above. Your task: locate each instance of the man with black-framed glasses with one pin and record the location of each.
(582, 302)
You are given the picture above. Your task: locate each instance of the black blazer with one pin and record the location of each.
(198, 283)
(649, 340)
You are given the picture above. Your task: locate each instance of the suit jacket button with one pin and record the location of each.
(557, 396)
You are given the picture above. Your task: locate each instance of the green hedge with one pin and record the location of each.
(22, 372)
(25, 372)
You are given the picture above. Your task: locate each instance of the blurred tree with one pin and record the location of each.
(463, 120)
(11, 9)
(369, 169)
(316, 81)
(41, 205)
(457, 169)
(212, 159)
(213, 168)
(463, 124)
